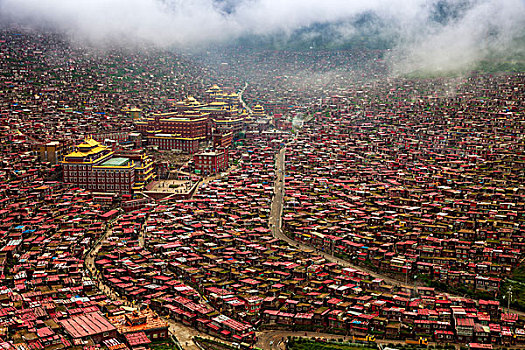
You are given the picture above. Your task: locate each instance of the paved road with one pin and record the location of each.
(277, 202)
(92, 254)
(242, 101)
(143, 233)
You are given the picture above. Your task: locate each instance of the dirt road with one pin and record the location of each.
(277, 232)
(276, 217)
(181, 332)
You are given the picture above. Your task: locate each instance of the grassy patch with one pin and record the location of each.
(209, 344)
(163, 345)
(305, 344)
(518, 294)
(519, 274)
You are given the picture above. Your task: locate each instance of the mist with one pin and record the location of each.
(433, 35)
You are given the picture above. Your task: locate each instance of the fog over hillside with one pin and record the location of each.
(435, 35)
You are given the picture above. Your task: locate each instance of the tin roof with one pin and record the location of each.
(117, 161)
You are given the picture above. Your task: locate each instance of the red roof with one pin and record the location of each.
(109, 213)
(465, 322)
(87, 325)
(137, 338)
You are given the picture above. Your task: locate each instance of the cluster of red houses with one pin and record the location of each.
(47, 299)
(181, 234)
(53, 95)
(392, 176)
(212, 263)
(434, 192)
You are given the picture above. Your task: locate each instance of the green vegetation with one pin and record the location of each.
(210, 344)
(517, 281)
(458, 290)
(490, 65)
(509, 66)
(519, 274)
(307, 344)
(513, 61)
(518, 294)
(518, 290)
(163, 345)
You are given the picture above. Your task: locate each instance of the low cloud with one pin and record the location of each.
(425, 34)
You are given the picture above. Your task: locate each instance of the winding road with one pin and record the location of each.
(181, 332)
(242, 101)
(275, 223)
(267, 339)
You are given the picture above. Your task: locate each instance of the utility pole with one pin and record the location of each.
(510, 298)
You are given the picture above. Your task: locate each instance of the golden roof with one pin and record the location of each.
(87, 148)
(89, 143)
(190, 100)
(214, 88)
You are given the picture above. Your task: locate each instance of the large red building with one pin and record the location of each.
(174, 142)
(191, 122)
(186, 124)
(213, 162)
(180, 131)
(222, 140)
(96, 167)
